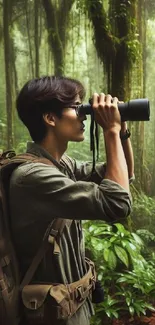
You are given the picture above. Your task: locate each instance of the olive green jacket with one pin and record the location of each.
(40, 193)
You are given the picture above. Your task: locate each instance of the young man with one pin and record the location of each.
(40, 193)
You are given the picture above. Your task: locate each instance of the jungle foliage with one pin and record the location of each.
(125, 260)
(109, 46)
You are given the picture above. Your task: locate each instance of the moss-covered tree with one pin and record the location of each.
(7, 15)
(119, 36)
(116, 41)
(57, 18)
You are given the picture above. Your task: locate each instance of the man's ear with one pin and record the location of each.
(49, 118)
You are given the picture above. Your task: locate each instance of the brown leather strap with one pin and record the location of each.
(26, 157)
(54, 230)
(36, 260)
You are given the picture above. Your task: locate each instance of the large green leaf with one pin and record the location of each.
(106, 254)
(112, 260)
(122, 255)
(120, 227)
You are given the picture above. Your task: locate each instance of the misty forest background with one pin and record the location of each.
(107, 45)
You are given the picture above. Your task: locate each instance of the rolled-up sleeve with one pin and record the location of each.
(53, 194)
(83, 170)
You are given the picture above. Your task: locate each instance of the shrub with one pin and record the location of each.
(127, 277)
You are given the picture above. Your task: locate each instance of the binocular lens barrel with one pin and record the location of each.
(133, 110)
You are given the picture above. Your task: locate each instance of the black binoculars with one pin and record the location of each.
(133, 110)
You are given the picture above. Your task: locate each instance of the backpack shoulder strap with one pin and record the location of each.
(52, 234)
(27, 157)
(8, 165)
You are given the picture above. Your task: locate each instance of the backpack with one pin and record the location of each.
(9, 268)
(37, 300)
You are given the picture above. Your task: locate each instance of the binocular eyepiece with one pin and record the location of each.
(133, 110)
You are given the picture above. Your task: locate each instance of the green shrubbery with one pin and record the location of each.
(125, 263)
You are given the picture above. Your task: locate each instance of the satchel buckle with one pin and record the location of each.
(80, 293)
(33, 304)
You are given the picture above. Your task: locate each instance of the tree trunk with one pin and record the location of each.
(36, 37)
(29, 38)
(8, 76)
(112, 42)
(57, 18)
(139, 167)
(15, 88)
(54, 38)
(14, 70)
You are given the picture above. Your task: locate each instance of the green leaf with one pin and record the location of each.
(99, 230)
(92, 228)
(132, 246)
(112, 239)
(123, 279)
(94, 241)
(121, 253)
(108, 313)
(132, 250)
(106, 254)
(115, 314)
(131, 310)
(99, 246)
(137, 239)
(100, 277)
(150, 307)
(111, 301)
(120, 227)
(112, 260)
(128, 301)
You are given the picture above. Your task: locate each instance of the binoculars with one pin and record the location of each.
(133, 110)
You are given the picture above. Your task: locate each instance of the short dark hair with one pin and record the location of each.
(43, 95)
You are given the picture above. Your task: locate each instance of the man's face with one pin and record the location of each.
(70, 127)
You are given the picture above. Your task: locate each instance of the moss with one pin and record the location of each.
(115, 40)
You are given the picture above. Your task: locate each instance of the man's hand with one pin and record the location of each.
(106, 112)
(108, 117)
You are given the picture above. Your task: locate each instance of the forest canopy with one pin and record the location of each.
(109, 46)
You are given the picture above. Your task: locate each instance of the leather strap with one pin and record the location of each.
(52, 234)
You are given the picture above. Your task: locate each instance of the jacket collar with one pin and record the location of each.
(38, 151)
